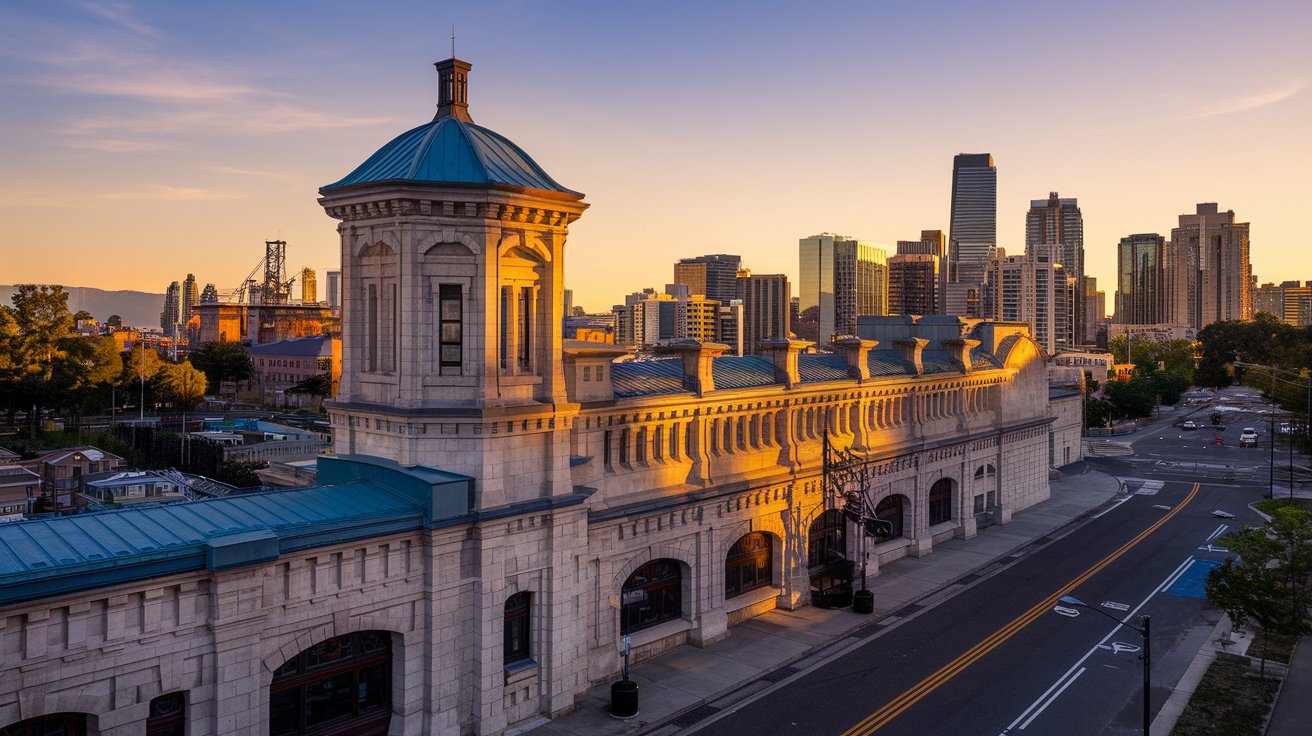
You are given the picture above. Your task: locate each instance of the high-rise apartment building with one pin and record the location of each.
(171, 316)
(973, 231)
(766, 300)
(1209, 277)
(1290, 302)
(209, 295)
(1035, 288)
(729, 327)
(1141, 276)
(1058, 220)
(913, 283)
(190, 297)
(309, 286)
(841, 278)
(713, 275)
(1094, 310)
(932, 243)
(333, 287)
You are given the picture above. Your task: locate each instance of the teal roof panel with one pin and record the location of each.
(453, 152)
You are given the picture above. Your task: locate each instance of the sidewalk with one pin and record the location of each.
(1293, 709)
(694, 683)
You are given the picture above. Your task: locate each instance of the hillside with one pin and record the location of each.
(137, 308)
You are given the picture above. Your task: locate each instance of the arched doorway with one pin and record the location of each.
(940, 501)
(827, 563)
(749, 564)
(892, 511)
(653, 594)
(58, 724)
(340, 686)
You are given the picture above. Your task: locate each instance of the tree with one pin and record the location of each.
(1131, 399)
(185, 383)
(320, 384)
(41, 322)
(223, 361)
(1265, 580)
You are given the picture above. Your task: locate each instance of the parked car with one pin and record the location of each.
(1286, 428)
(1189, 424)
(1248, 437)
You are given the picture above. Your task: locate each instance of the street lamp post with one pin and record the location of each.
(1146, 620)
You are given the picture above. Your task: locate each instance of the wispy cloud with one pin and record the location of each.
(121, 14)
(159, 192)
(250, 117)
(278, 176)
(1243, 103)
(152, 86)
(113, 145)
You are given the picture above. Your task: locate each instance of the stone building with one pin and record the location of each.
(503, 505)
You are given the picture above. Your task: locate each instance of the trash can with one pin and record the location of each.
(624, 699)
(863, 601)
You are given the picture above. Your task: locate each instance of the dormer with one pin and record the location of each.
(588, 367)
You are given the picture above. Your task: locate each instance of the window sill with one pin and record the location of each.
(644, 637)
(891, 545)
(751, 598)
(521, 670)
(943, 527)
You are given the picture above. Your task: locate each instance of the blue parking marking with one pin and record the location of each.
(1191, 583)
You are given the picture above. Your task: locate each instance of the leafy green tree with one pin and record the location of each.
(1131, 399)
(41, 324)
(1266, 578)
(185, 383)
(241, 473)
(223, 361)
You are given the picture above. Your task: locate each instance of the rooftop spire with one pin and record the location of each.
(453, 87)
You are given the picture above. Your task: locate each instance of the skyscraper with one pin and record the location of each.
(334, 289)
(973, 230)
(1035, 288)
(913, 284)
(309, 286)
(1209, 276)
(1141, 297)
(190, 297)
(1058, 221)
(171, 316)
(766, 300)
(713, 275)
(841, 278)
(917, 275)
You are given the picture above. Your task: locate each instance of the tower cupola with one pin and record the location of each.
(453, 89)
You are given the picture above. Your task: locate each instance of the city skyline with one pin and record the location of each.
(219, 138)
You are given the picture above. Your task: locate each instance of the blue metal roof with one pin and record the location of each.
(742, 371)
(647, 377)
(452, 151)
(656, 377)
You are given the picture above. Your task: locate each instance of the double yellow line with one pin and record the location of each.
(894, 708)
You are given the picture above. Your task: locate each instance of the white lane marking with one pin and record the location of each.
(1054, 697)
(1063, 610)
(1116, 606)
(1212, 548)
(1101, 514)
(1117, 647)
(1217, 533)
(1161, 507)
(1079, 664)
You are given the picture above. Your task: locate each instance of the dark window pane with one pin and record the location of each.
(328, 698)
(283, 710)
(372, 689)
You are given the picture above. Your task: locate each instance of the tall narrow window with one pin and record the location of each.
(525, 334)
(505, 328)
(940, 501)
(517, 628)
(605, 449)
(450, 327)
(371, 316)
(624, 447)
(393, 330)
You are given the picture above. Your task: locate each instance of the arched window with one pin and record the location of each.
(342, 685)
(891, 510)
(58, 724)
(653, 594)
(748, 565)
(517, 627)
(168, 715)
(940, 501)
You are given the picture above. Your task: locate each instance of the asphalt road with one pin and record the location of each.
(998, 658)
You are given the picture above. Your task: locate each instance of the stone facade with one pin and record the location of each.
(593, 477)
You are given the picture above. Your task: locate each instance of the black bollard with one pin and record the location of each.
(863, 601)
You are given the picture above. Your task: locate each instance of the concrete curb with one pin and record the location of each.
(1175, 704)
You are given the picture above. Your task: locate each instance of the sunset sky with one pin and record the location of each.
(142, 141)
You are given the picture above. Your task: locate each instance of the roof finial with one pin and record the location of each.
(453, 40)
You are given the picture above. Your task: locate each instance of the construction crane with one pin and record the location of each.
(274, 288)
